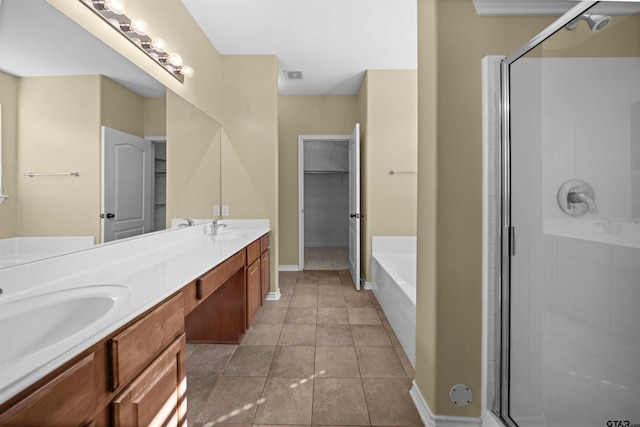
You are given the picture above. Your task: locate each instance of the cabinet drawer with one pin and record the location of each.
(156, 396)
(68, 399)
(136, 346)
(253, 252)
(264, 243)
(212, 280)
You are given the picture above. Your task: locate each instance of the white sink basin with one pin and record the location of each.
(31, 325)
(229, 234)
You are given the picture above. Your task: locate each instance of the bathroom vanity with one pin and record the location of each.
(129, 368)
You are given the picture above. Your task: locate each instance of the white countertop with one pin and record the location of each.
(148, 268)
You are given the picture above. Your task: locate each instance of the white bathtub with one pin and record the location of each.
(393, 270)
(18, 250)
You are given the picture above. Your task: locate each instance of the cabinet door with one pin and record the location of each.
(67, 400)
(253, 291)
(157, 397)
(265, 272)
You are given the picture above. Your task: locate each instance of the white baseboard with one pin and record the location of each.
(273, 296)
(288, 268)
(369, 286)
(431, 420)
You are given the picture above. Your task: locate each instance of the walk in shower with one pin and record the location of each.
(567, 224)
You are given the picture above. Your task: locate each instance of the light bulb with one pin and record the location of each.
(116, 6)
(158, 45)
(187, 71)
(175, 59)
(139, 26)
(114, 22)
(137, 41)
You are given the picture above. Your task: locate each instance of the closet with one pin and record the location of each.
(326, 201)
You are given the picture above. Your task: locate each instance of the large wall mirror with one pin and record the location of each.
(62, 90)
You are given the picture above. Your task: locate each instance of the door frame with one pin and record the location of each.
(302, 139)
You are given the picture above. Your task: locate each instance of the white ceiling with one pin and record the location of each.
(333, 42)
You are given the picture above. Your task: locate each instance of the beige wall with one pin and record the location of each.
(250, 142)
(121, 108)
(170, 20)
(304, 115)
(9, 142)
(448, 347)
(59, 131)
(389, 202)
(155, 116)
(193, 161)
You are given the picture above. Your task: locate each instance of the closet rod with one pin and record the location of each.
(340, 172)
(32, 174)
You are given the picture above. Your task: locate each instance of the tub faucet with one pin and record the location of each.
(215, 225)
(582, 197)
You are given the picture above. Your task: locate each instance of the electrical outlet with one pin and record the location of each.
(225, 210)
(216, 210)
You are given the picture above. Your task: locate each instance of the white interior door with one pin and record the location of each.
(354, 205)
(127, 172)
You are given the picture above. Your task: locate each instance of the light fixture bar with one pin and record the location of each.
(135, 30)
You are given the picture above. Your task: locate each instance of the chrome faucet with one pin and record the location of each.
(215, 225)
(189, 223)
(582, 197)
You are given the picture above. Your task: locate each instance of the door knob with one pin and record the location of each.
(108, 216)
(354, 216)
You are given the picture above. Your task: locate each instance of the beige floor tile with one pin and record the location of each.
(301, 315)
(336, 362)
(286, 401)
(297, 334)
(210, 359)
(330, 281)
(284, 301)
(334, 336)
(271, 315)
(199, 388)
(330, 290)
(335, 316)
(250, 361)
(288, 277)
(230, 395)
(293, 362)
(301, 290)
(379, 362)
(363, 316)
(304, 301)
(334, 301)
(262, 334)
(370, 336)
(286, 289)
(339, 401)
(359, 300)
(191, 347)
(406, 363)
(390, 404)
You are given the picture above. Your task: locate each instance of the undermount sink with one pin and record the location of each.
(33, 324)
(229, 234)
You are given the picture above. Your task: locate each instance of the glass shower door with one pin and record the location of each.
(573, 314)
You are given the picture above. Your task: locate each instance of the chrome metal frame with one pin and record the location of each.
(503, 330)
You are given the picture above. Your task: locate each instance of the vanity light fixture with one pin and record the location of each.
(136, 31)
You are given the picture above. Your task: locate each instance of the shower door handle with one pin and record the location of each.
(512, 240)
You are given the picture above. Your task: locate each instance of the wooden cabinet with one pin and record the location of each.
(258, 275)
(137, 345)
(158, 395)
(265, 273)
(128, 369)
(67, 399)
(219, 317)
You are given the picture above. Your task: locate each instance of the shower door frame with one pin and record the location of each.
(501, 400)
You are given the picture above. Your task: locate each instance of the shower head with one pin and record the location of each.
(595, 22)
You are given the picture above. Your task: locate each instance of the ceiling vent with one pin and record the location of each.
(293, 74)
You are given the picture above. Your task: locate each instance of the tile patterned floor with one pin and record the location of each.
(326, 258)
(322, 355)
